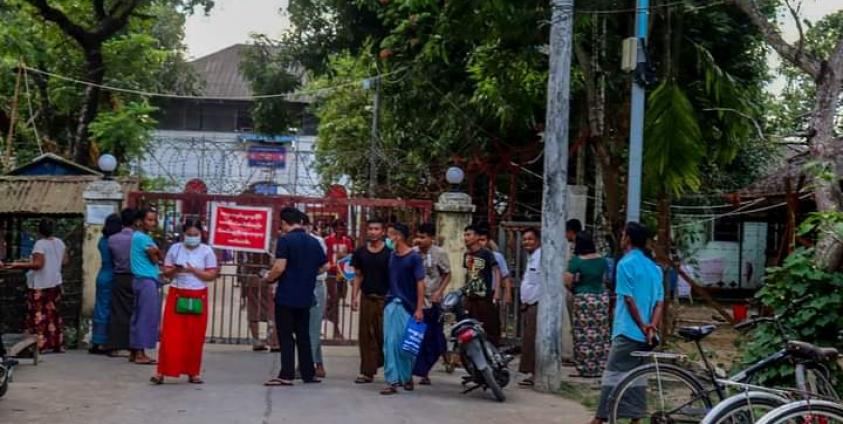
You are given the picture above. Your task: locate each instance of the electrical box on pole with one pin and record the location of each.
(630, 54)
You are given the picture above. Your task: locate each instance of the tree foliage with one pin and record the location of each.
(125, 43)
(816, 320)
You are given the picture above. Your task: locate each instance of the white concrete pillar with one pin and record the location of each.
(453, 213)
(102, 198)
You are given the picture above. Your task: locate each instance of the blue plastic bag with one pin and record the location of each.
(413, 336)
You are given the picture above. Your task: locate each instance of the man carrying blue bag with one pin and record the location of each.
(404, 301)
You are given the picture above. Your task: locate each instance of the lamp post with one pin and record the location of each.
(454, 176)
(107, 164)
(453, 213)
(102, 197)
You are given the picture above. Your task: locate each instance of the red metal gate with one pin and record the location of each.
(239, 309)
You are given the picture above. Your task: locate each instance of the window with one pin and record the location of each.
(727, 229)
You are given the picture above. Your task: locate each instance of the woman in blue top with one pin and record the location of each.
(102, 303)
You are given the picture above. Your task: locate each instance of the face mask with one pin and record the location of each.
(390, 244)
(192, 241)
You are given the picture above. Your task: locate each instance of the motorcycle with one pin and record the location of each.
(7, 368)
(486, 366)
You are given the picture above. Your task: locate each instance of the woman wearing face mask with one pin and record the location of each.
(191, 265)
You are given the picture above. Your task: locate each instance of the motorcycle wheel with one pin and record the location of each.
(4, 387)
(492, 384)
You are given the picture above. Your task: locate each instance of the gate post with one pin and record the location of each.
(453, 213)
(102, 198)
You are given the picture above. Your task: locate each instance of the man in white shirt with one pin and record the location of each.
(531, 240)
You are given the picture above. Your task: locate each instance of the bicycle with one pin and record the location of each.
(756, 401)
(683, 397)
(805, 412)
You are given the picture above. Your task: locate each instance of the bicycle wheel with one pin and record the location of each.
(805, 412)
(657, 394)
(744, 408)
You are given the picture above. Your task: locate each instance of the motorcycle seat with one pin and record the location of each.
(804, 350)
(695, 333)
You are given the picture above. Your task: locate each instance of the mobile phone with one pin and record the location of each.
(178, 265)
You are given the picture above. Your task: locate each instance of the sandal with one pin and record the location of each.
(272, 382)
(409, 386)
(195, 380)
(157, 379)
(147, 361)
(258, 348)
(527, 382)
(389, 390)
(424, 381)
(364, 380)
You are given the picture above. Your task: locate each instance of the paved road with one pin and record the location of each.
(77, 388)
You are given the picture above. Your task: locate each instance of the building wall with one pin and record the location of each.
(752, 255)
(220, 159)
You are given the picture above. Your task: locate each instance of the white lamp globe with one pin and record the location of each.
(107, 163)
(454, 175)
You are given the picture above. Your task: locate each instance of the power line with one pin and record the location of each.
(658, 6)
(294, 94)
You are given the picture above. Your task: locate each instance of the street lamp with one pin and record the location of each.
(107, 164)
(454, 176)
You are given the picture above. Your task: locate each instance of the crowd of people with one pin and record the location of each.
(398, 277)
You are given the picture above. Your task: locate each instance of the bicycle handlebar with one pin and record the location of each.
(753, 322)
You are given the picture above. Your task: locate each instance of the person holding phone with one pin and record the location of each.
(191, 265)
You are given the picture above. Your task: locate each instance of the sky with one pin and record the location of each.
(231, 22)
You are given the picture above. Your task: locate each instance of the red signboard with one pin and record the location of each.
(241, 228)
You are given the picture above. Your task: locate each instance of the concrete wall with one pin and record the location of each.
(752, 255)
(221, 161)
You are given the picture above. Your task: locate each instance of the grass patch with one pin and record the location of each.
(583, 393)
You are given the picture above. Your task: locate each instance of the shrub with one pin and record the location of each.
(817, 320)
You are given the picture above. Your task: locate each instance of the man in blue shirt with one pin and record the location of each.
(299, 259)
(404, 301)
(146, 316)
(638, 314)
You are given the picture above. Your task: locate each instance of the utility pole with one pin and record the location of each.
(8, 163)
(636, 130)
(554, 246)
(373, 165)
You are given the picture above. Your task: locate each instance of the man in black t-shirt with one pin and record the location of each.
(371, 277)
(481, 284)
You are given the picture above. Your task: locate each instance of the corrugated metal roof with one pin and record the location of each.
(220, 73)
(49, 195)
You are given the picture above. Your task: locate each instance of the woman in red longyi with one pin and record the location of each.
(191, 264)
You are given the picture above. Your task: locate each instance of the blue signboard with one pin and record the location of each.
(266, 189)
(263, 138)
(267, 156)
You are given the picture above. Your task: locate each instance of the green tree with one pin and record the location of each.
(821, 63)
(93, 34)
(134, 44)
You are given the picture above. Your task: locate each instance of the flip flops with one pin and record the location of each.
(273, 382)
(389, 390)
(363, 380)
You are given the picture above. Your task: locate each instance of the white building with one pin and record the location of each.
(212, 139)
